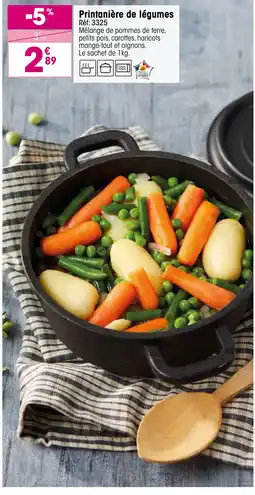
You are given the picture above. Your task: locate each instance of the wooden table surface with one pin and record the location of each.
(215, 68)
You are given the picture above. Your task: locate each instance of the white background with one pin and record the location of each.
(163, 55)
(61, 68)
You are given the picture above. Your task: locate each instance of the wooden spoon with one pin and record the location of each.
(183, 425)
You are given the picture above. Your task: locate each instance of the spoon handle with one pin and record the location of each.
(241, 380)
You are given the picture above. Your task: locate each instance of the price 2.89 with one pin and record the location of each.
(38, 56)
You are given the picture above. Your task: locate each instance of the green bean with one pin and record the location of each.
(143, 216)
(110, 278)
(114, 208)
(143, 315)
(160, 181)
(174, 307)
(228, 211)
(130, 194)
(175, 191)
(167, 200)
(81, 270)
(92, 262)
(75, 205)
(49, 221)
(226, 285)
(100, 286)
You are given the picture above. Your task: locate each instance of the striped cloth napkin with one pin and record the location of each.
(67, 402)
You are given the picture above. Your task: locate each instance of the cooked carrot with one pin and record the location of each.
(146, 293)
(149, 326)
(198, 232)
(117, 301)
(209, 294)
(160, 224)
(187, 205)
(93, 207)
(64, 242)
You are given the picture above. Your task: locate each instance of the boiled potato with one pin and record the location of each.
(120, 325)
(118, 228)
(127, 256)
(71, 293)
(146, 188)
(223, 252)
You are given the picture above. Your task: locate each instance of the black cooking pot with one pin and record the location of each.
(179, 356)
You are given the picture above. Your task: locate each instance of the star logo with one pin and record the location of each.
(143, 70)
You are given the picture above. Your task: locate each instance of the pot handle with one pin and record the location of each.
(97, 141)
(189, 373)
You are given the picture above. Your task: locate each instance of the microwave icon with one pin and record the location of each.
(123, 68)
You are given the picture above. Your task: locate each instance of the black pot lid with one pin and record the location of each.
(230, 141)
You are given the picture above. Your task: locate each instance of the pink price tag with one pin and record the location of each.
(40, 16)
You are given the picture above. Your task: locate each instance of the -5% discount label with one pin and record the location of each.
(40, 59)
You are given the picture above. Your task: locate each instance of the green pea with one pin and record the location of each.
(184, 306)
(242, 286)
(179, 234)
(96, 218)
(159, 257)
(162, 302)
(176, 223)
(168, 200)
(167, 286)
(175, 263)
(130, 235)
(133, 225)
(132, 178)
(80, 250)
(172, 181)
(118, 280)
(180, 322)
(140, 239)
(246, 263)
(246, 274)
(194, 302)
(13, 138)
(194, 316)
(169, 297)
(248, 254)
(35, 118)
(101, 251)
(105, 224)
(183, 268)
(118, 197)
(164, 265)
(187, 315)
(198, 271)
(91, 251)
(106, 241)
(134, 213)
(123, 214)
